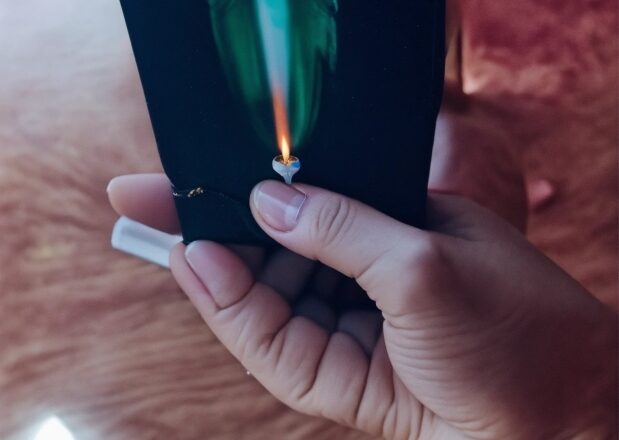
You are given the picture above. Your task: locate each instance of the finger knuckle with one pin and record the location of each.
(333, 219)
(425, 263)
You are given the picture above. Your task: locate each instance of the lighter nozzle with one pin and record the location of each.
(286, 168)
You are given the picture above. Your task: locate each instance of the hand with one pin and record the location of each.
(482, 337)
(474, 156)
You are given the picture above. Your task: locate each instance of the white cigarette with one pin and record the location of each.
(143, 241)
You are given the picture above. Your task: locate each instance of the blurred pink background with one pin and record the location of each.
(109, 345)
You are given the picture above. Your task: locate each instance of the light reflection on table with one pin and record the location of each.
(53, 429)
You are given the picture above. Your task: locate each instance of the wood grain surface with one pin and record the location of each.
(108, 343)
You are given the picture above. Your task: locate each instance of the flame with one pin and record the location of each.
(285, 149)
(281, 123)
(274, 22)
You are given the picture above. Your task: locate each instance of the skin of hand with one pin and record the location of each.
(478, 334)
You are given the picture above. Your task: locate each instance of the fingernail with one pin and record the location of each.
(109, 185)
(115, 181)
(278, 204)
(197, 256)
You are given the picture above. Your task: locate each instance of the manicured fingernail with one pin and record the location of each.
(109, 185)
(200, 260)
(115, 181)
(278, 204)
(198, 257)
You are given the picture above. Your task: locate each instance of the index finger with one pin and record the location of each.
(146, 198)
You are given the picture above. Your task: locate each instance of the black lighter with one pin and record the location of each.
(352, 86)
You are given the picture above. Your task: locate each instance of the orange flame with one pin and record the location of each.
(285, 149)
(281, 123)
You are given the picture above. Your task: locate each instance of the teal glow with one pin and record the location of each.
(253, 59)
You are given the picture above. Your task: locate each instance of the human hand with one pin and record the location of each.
(483, 337)
(474, 156)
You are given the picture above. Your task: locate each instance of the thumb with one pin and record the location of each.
(382, 254)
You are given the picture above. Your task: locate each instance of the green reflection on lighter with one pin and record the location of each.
(276, 50)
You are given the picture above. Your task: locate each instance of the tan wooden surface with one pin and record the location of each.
(107, 342)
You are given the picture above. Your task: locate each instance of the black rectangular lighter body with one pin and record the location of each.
(363, 90)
